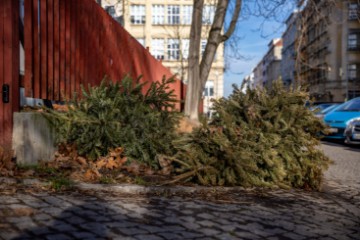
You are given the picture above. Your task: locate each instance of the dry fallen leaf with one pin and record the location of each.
(82, 161)
(111, 164)
(28, 173)
(100, 163)
(91, 175)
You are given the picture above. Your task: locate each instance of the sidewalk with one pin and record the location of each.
(136, 212)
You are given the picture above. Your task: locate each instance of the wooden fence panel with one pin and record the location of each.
(28, 46)
(77, 43)
(9, 68)
(56, 50)
(2, 15)
(50, 49)
(43, 47)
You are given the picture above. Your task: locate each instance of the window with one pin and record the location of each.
(185, 44)
(157, 48)
(208, 14)
(353, 71)
(173, 49)
(353, 13)
(354, 41)
(158, 14)
(173, 14)
(186, 16)
(203, 46)
(137, 14)
(111, 11)
(209, 89)
(141, 41)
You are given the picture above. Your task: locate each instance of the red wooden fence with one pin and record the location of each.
(71, 43)
(9, 67)
(68, 43)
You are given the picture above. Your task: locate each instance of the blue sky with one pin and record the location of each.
(251, 38)
(252, 45)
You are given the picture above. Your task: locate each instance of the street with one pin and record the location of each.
(332, 214)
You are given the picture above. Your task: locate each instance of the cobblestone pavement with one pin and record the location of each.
(239, 214)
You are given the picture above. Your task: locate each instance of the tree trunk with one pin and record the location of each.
(198, 73)
(194, 86)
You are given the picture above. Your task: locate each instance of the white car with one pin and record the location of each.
(352, 131)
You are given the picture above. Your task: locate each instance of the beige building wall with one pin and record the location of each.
(272, 63)
(328, 52)
(148, 32)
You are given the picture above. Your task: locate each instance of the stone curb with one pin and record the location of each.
(137, 189)
(132, 188)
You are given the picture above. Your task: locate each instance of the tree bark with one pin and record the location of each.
(198, 73)
(194, 89)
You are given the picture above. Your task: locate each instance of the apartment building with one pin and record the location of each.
(330, 49)
(271, 63)
(288, 59)
(164, 28)
(258, 75)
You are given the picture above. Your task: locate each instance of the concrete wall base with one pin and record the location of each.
(33, 139)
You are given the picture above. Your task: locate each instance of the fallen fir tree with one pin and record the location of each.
(261, 138)
(119, 114)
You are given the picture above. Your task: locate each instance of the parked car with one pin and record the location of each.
(352, 131)
(340, 117)
(320, 113)
(321, 107)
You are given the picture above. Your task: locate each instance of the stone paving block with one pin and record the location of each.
(187, 212)
(294, 236)
(153, 229)
(8, 234)
(64, 227)
(190, 226)
(17, 220)
(41, 230)
(41, 217)
(26, 225)
(206, 223)
(132, 231)
(148, 237)
(205, 216)
(75, 220)
(83, 235)
(58, 237)
(173, 219)
(187, 219)
(36, 204)
(227, 227)
(124, 238)
(94, 227)
(209, 231)
(247, 235)
(190, 235)
(226, 236)
(172, 236)
(53, 211)
(121, 224)
(8, 200)
(154, 214)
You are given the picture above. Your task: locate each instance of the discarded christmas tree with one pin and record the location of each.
(120, 115)
(261, 138)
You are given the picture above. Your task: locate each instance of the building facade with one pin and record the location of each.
(330, 50)
(288, 59)
(271, 63)
(258, 75)
(164, 28)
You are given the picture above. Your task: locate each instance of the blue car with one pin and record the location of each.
(339, 118)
